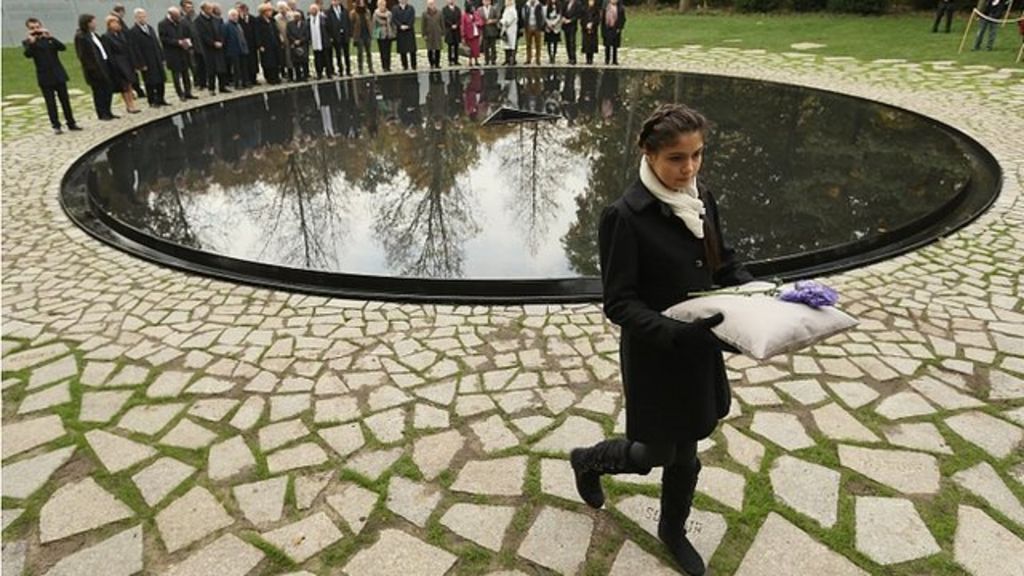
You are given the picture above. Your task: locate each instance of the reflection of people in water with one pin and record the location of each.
(471, 97)
(658, 243)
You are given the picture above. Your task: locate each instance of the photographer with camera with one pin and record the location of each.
(43, 49)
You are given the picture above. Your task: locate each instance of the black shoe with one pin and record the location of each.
(226, 90)
(191, 97)
(57, 130)
(588, 464)
(678, 484)
(74, 127)
(108, 118)
(681, 549)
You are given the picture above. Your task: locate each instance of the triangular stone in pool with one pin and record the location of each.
(507, 115)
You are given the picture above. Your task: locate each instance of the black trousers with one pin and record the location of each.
(271, 70)
(384, 47)
(611, 54)
(182, 82)
(945, 9)
(200, 70)
(434, 58)
(155, 93)
(490, 49)
(322, 63)
(408, 59)
(552, 51)
(453, 53)
(342, 55)
(51, 94)
(570, 43)
(239, 70)
(102, 100)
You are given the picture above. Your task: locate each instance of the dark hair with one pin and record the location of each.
(32, 20)
(667, 122)
(83, 22)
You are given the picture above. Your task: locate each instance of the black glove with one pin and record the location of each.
(698, 332)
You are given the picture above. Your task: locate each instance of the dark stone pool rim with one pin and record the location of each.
(972, 200)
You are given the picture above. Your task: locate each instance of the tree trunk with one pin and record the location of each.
(685, 5)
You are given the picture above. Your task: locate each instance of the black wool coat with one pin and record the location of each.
(675, 391)
(44, 53)
(170, 32)
(95, 69)
(147, 53)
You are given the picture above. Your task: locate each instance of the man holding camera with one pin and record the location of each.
(43, 49)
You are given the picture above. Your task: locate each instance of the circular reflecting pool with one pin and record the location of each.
(487, 184)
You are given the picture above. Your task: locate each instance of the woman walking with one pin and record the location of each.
(384, 32)
(95, 66)
(362, 29)
(552, 28)
(658, 243)
(122, 73)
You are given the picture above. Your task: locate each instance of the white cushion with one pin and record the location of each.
(762, 326)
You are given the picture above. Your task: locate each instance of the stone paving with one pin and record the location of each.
(155, 422)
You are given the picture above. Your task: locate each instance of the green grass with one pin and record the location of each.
(905, 36)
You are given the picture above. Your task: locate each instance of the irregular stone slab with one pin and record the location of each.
(558, 540)
(249, 414)
(904, 405)
(984, 482)
(494, 435)
(782, 548)
(97, 373)
(396, 552)
(742, 448)
(301, 456)
(34, 356)
(433, 454)
(838, 424)
(373, 464)
(499, 477)
(285, 406)
(426, 417)
(25, 435)
(9, 515)
(574, 432)
(21, 479)
(301, 540)
(102, 406)
(806, 392)
(757, 395)
(160, 478)
(997, 437)
(354, 504)
(117, 453)
(531, 425)
(210, 385)
(389, 426)
(48, 398)
(810, 489)
(228, 555)
(484, 525)
(309, 486)
(854, 394)
(889, 531)
(634, 561)
(189, 435)
(908, 472)
(229, 458)
(66, 367)
(783, 429)
(983, 546)
(280, 433)
(119, 555)
(191, 518)
(919, 436)
(557, 479)
(168, 384)
(723, 485)
(343, 439)
(387, 397)
(14, 557)
(149, 419)
(411, 500)
(262, 502)
(79, 507)
(212, 409)
(704, 529)
(600, 401)
(1003, 386)
(943, 395)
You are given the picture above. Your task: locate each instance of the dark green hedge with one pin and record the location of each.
(858, 6)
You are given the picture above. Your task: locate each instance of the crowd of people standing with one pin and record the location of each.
(208, 49)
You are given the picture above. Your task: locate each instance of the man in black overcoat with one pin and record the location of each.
(404, 17)
(268, 44)
(211, 41)
(572, 13)
(451, 17)
(176, 39)
(339, 27)
(197, 62)
(148, 58)
(248, 23)
(43, 48)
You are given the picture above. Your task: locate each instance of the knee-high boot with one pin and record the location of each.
(678, 483)
(607, 457)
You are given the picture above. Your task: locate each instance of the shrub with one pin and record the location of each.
(808, 5)
(858, 6)
(757, 5)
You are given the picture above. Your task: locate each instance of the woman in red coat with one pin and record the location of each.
(659, 243)
(472, 29)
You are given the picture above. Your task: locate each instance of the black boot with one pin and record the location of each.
(678, 483)
(607, 457)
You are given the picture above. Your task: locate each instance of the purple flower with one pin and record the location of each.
(811, 293)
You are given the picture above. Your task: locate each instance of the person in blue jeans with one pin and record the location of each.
(994, 9)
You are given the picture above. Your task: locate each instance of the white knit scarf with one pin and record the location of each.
(684, 202)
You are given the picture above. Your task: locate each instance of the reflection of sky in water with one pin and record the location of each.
(398, 176)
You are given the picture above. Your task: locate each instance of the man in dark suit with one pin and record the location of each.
(248, 24)
(571, 15)
(339, 26)
(404, 17)
(119, 12)
(211, 41)
(148, 58)
(197, 62)
(177, 43)
(43, 49)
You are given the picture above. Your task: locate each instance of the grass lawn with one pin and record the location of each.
(904, 36)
